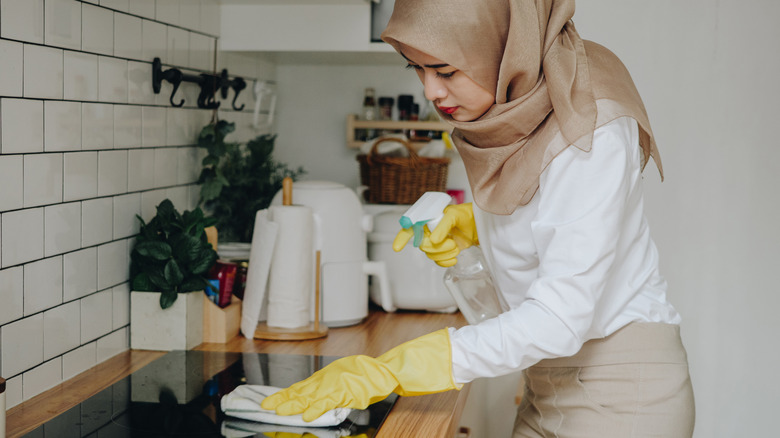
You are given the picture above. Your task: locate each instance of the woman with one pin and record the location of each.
(554, 137)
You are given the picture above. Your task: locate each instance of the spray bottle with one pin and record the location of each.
(469, 280)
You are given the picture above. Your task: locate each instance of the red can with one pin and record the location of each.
(225, 275)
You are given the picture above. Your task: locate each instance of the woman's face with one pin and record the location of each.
(448, 88)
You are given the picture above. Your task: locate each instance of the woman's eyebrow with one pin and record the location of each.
(426, 65)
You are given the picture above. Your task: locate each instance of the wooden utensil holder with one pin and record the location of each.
(221, 324)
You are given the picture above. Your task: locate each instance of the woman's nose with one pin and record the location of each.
(433, 87)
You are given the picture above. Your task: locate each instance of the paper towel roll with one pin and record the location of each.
(292, 269)
(261, 253)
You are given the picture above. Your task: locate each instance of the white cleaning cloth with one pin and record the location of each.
(234, 428)
(244, 402)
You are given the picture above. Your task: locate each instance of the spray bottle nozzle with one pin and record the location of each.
(427, 210)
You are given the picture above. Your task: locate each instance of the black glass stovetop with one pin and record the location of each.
(178, 395)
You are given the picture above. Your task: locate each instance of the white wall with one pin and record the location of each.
(707, 70)
(314, 100)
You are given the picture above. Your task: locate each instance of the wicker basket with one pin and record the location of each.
(400, 180)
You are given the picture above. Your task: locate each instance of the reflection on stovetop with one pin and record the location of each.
(178, 395)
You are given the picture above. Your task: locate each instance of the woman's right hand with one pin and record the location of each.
(455, 232)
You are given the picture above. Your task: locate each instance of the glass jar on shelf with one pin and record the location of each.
(369, 112)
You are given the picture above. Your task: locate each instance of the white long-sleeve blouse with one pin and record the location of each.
(574, 264)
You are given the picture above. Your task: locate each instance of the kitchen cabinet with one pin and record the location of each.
(354, 124)
(298, 25)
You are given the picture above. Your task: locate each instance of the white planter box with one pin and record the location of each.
(179, 327)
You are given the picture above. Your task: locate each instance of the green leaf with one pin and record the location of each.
(167, 298)
(141, 282)
(204, 262)
(221, 178)
(210, 190)
(158, 279)
(224, 127)
(173, 275)
(210, 160)
(154, 250)
(166, 212)
(186, 248)
(209, 221)
(193, 284)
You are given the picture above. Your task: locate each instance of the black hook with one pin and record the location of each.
(209, 84)
(172, 75)
(238, 84)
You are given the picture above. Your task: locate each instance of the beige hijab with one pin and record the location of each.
(552, 88)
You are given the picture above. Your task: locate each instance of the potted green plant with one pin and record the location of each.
(171, 257)
(238, 180)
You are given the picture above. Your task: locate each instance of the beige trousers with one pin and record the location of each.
(633, 383)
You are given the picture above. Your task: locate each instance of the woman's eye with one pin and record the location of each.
(445, 75)
(413, 67)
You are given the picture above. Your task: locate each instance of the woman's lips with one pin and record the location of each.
(448, 109)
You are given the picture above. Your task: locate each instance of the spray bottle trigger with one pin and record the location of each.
(419, 233)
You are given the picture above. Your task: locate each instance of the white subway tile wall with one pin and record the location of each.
(21, 356)
(79, 273)
(96, 315)
(22, 236)
(97, 29)
(11, 292)
(97, 126)
(112, 79)
(42, 179)
(85, 146)
(11, 76)
(145, 8)
(42, 377)
(126, 207)
(63, 24)
(112, 172)
(97, 221)
(59, 118)
(61, 329)
(78, 360)
(22, 122)
(80, 174)
(81, 76)
(43, 71)
(127, 36)
(11, 177)
(22, 20)
(42, 285)
(62, 228)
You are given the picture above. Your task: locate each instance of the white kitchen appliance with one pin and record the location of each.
(340, 235)
(415, 281)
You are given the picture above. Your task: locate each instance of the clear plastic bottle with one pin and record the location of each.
(469, 280)
(471, 285)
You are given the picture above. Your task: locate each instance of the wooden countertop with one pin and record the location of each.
(435, 415)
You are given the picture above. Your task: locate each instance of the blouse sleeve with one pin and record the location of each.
(582, 202)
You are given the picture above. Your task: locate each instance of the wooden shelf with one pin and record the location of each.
(353, 124)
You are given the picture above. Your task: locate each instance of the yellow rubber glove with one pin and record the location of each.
(455, 232)
(420, 366)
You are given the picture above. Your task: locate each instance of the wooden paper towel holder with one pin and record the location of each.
(315, 329)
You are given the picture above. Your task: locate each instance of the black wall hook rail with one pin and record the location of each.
(209, 85)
